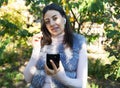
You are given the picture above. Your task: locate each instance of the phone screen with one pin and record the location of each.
(55, 58)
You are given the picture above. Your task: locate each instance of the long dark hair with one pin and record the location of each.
(68, 37)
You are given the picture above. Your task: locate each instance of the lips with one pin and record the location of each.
(55, 28)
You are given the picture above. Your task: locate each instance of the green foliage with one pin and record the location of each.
(91, 38)
(13, 46)
(113, 47)
(96, 6)
(14, 35)
(113, 43)
(10, 78)
(113, 70)
(12, 23)
(96, 69)
(3, 45)
(6, 27)
(94, 85)
(15, 76)
(99, 71)
(36, 6)
(3, 2)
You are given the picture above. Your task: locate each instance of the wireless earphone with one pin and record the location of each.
(64, 20)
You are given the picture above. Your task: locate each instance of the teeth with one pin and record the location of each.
(54, 28)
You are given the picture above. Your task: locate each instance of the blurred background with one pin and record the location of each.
(97, 20)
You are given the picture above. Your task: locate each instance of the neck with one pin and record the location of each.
(59, 35)
(58, 38)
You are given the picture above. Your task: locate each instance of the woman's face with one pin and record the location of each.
(54, 22)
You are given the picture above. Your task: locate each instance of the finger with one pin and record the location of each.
(49, 71)
(46, 70)
(39, 35)
(46, 67)
(36, 38)
(53, 65)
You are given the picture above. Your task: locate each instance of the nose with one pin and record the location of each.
(52, 22)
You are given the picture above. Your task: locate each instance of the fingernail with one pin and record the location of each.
(36, 40)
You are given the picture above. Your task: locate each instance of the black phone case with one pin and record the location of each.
(55, 58)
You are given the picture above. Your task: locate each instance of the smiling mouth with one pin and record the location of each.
(54, 29)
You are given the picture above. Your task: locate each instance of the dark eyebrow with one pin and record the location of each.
(52, 17)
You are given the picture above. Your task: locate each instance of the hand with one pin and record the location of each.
(55, 69)
(36, 40)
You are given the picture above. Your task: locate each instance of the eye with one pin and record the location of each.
(55, 18)
(47, 22)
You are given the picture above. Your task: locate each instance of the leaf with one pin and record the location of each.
(118, 73)
(3, 2)
(3, 45)
(114, 62)
(106, 76)
(27, 2)
(112, 33)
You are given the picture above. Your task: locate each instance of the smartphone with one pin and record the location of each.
(55, 58)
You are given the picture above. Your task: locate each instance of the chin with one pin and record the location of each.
(55, 34)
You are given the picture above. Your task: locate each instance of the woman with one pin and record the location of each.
(73, 66)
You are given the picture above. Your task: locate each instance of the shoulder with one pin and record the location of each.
(79, 37)
(78, 40)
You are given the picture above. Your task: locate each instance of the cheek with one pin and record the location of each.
(63, 25)
(60, 23)
(60, 20)
(48, 28)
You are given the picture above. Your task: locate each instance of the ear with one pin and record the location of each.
(64, 20)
